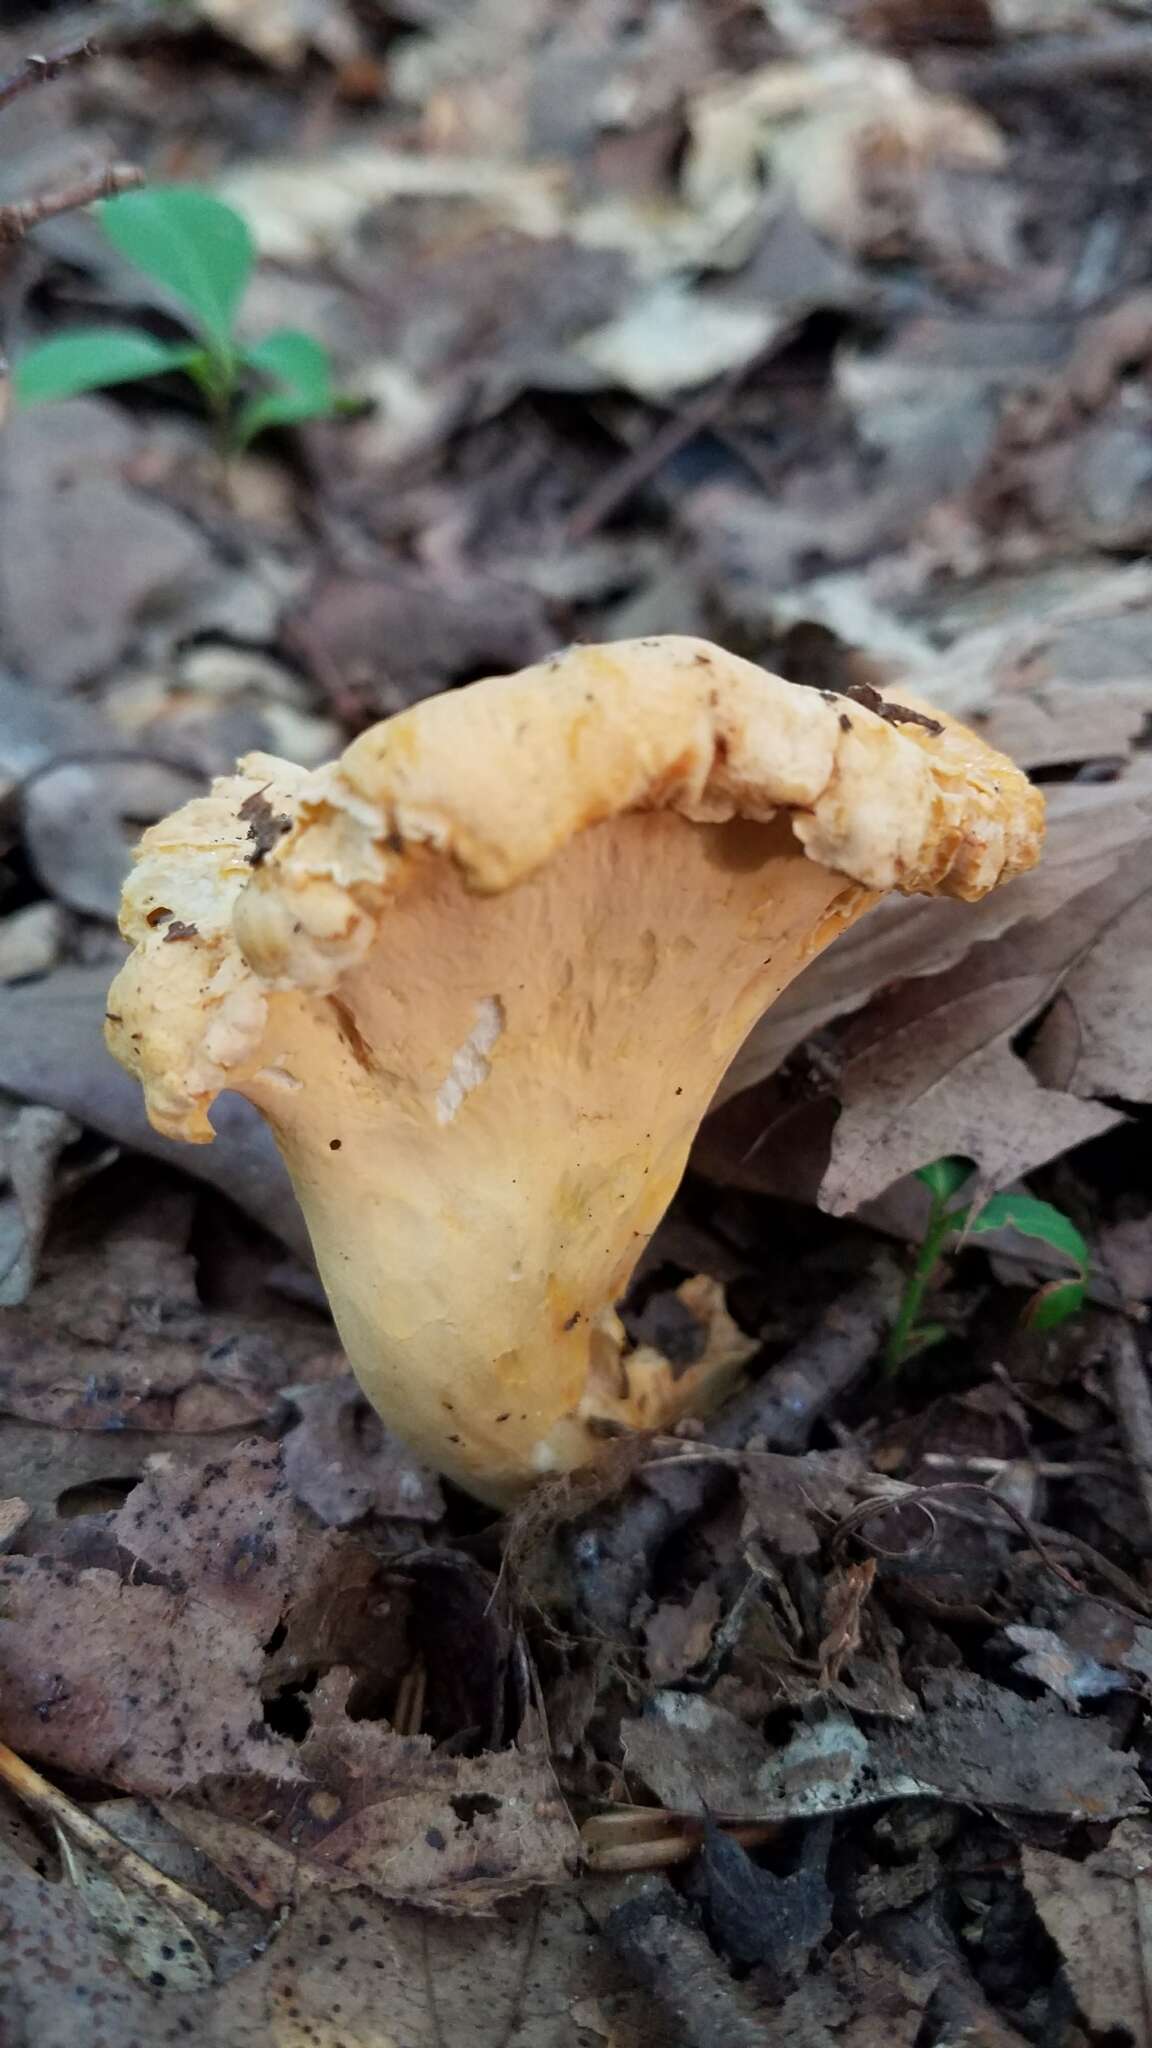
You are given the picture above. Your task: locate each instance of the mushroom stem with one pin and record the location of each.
(497, 1145)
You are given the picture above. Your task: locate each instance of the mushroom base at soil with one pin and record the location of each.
(484, 976)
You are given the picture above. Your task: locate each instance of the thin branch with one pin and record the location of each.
(18, 219)
(1053, 64)
(897, 1494)
(35, 71)
(640, 464)
(613, 1552)
(124, 1865)
(656, 1938)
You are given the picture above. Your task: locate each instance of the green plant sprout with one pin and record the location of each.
(203, 252)
(1051, 1305)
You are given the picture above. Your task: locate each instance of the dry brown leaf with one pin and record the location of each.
(229, 1538)
(120, 555)
(931, 1069)
(1099, 1043)
(927, 1066)
(845, 1592)
(102, 1672)
(852, 136)
(108, 1680)
(343, 1464)
(944, 1079)
(679, 1634)
(52, 1051)
(432, 628)
(1063, 723)
(1092, 829)
(115, 1335)
(1072, 622)
(297, 216)
(975, 1743)
(351, 1970)
(1097, 1912)
(283, 32)
(386, 1810)
(66, 1475)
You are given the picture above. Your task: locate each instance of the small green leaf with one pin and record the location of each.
(945, 1176)
(1033, 1219)
(1054, 1304)
(296, 360)
(91, 358)
(193, 243)
(302, 368)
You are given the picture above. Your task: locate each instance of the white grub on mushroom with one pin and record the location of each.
(485, 984)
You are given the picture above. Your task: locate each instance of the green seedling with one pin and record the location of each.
(202, 252)
(1053, 1304)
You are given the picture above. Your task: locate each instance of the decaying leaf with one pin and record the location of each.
(107, 1680)
(774, 1922)
(52, 1051)
(282, 32)
(172, 1919)
(384, 1810)
(679, 1634)
(1071, 1675)
(932, 1070)
(865, 1999)
(793, 1502)
(852, 135)
(343, 1464)
(305, 1631)
(975, 1742)
(352, 1969)
(122, 556)
(1097, 1913)
(32, 1140)
(1092, 832)
(928, 1065)
(116, 1336)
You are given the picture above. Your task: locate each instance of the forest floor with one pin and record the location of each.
(821, 328)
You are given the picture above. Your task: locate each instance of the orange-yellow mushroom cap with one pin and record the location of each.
(483, 974)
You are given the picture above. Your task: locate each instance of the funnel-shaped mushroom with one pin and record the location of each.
(483, 975)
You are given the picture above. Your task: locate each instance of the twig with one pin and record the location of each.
(1133, 1401)
(921, 1943)
(1065, 60)
(1042, 1468)
(18, 219)
(661, 1946)
(38, 70)
(1134, 1604)
(612, 1554)
(648, 1838)
(103, 1848)
(607, 496)
(785, 1406)
(22, 215)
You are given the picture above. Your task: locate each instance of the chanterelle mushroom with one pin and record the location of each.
(483, 975)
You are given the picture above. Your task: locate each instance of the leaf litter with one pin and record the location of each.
(819, 332)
